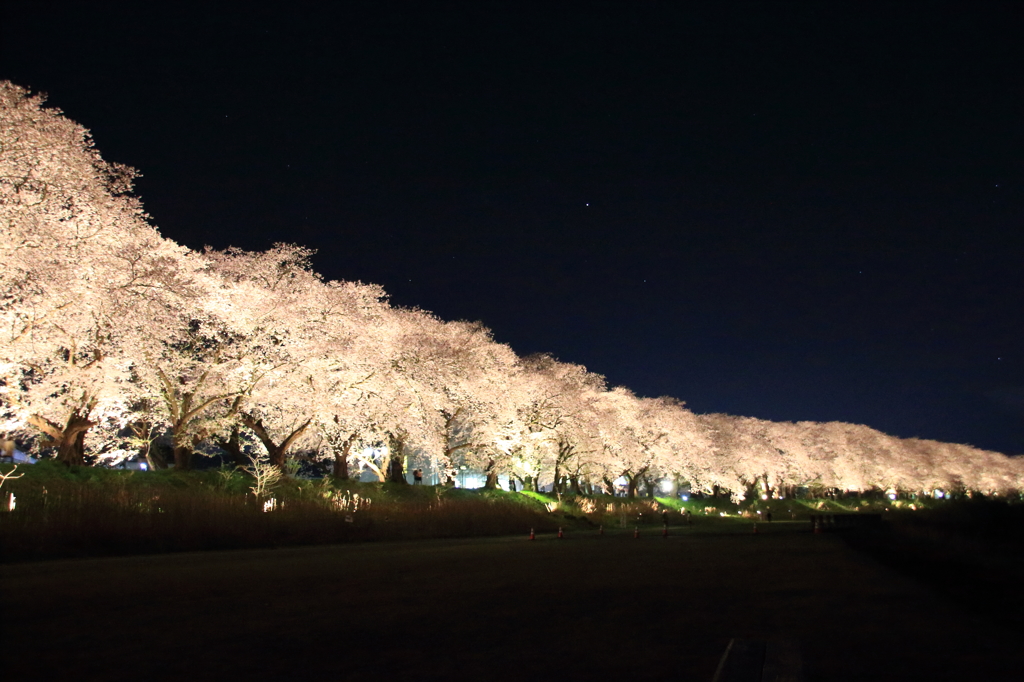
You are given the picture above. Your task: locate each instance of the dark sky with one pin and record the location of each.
(807, 211)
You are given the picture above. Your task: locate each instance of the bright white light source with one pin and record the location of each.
(892, 496)
(686, 498)
(764, 497)
(143, 466)
(666, 486)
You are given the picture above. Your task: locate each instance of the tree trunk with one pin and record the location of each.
(609, 486)
(634, 481)
(233, 447)
(341, 460)
(396, 460)
(183, 452)
(491, 482)
(531, 483)
(651, 488)
(574, 482)
(156, 456)
(752, 491)
(69, 439)
(444, 479)
(396, 470)
(71, 450)
(143, 430)
(183, 457)
(275, 452)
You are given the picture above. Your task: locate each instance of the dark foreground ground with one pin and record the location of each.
(582, 608)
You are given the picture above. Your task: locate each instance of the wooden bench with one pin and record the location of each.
(752, 660)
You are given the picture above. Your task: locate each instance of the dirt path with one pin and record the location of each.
(494, 609)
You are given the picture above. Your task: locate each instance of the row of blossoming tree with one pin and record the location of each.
(113, 337)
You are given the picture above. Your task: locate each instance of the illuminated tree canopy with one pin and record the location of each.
(113, 339)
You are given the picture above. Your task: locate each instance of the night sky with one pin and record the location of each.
(807, 211)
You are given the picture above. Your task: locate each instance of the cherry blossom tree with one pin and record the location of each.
(334, 362)
(404, 396)
(554, 420)
(193, 371)
(263, 350)
(442, 393)
(957, 467)
(349, 336)
(741, 455)
(82, 271)
(272, 297)
(660, 437)
(867, 458)
(474, 402)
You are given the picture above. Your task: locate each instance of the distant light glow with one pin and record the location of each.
(666, 486)
(686, 498)
(471, 481)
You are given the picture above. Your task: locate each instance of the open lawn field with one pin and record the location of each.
(585, 607)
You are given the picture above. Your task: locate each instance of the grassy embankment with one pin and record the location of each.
(61, 512)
